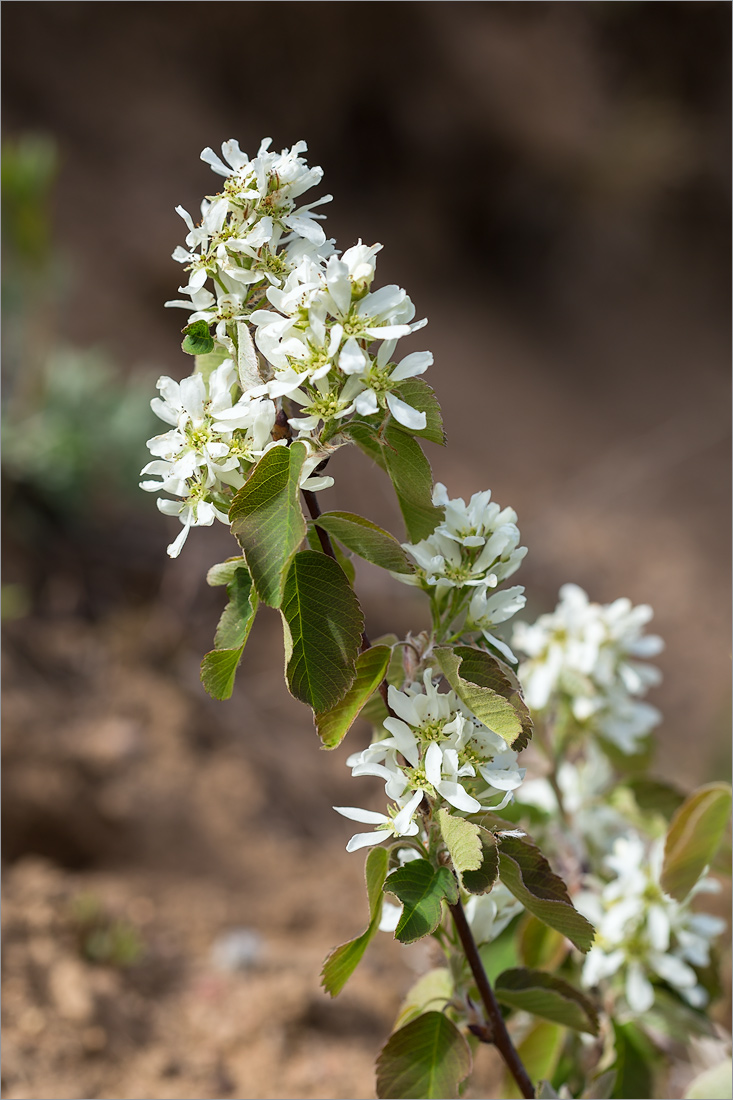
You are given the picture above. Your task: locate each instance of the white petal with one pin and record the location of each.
(352, 359)
(411, 365)
(639, 990)
(365, 840)
(356, 814)
(405, 414)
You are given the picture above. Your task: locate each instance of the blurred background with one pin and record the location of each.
(551, 184)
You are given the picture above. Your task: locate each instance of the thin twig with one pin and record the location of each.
(499, 1034)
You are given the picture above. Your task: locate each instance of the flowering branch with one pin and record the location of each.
(295, 357)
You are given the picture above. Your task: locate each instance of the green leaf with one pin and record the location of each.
(712, 1084)
(197, 339)
(635, 1061)
(491, 708)
(481, 879)
(421, 890)
(343, 961)
(432, 991)
(540, 947)
(653, 796)
(693, 836)
(207, 364)
(426, 1059)
(544, 995)
(463, 841)
(526, 873)
(371, 666)
(367, 440)
(366, 539)
(219, 667)
(268, 521)
(225, 571)
(323, 625)
(488, 671)
(540, 1052)
(375, 711)
(417, 392)
(412, 478)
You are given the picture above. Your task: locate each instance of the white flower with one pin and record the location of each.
(371, 386)
(211, 442)
(587, 654)
(489, 914)
(401, 823)
(641, 932)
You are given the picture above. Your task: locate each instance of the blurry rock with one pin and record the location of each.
(239, 949)
(68, 985)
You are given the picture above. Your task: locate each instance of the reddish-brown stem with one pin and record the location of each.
(499, 1034)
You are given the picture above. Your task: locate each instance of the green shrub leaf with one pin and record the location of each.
(544, 995)
(197, 339)
(526, 873)
(493, 709)
(219, 667)
(268, 521)
(480, 880)
(343, 961)
(426, 1059)
(693, 837)
(371, 666)
(463, 841)
(432, 991)
(411, 476)
(421, 889)
(366, 539)
(323, 625)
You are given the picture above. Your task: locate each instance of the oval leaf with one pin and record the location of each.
(343, 961)
(371, 668)
(491, 708)
(268, 521)
(366, 539)
(693, 837)
(483, 878)
(463, 841)
(324, 624)
(219, 667)
(410, 473)
(432, 991)
(421, 889)
(197, 339)
(427, 1058)
(544, 995)
(527, 874)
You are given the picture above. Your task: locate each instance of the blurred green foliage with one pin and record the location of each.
(104, 939)
(73, 424)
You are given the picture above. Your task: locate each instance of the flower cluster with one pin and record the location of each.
(436, 751)
(213, 441)
(584, 657)
(642, 934)
(472, 551)
(260, 258)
